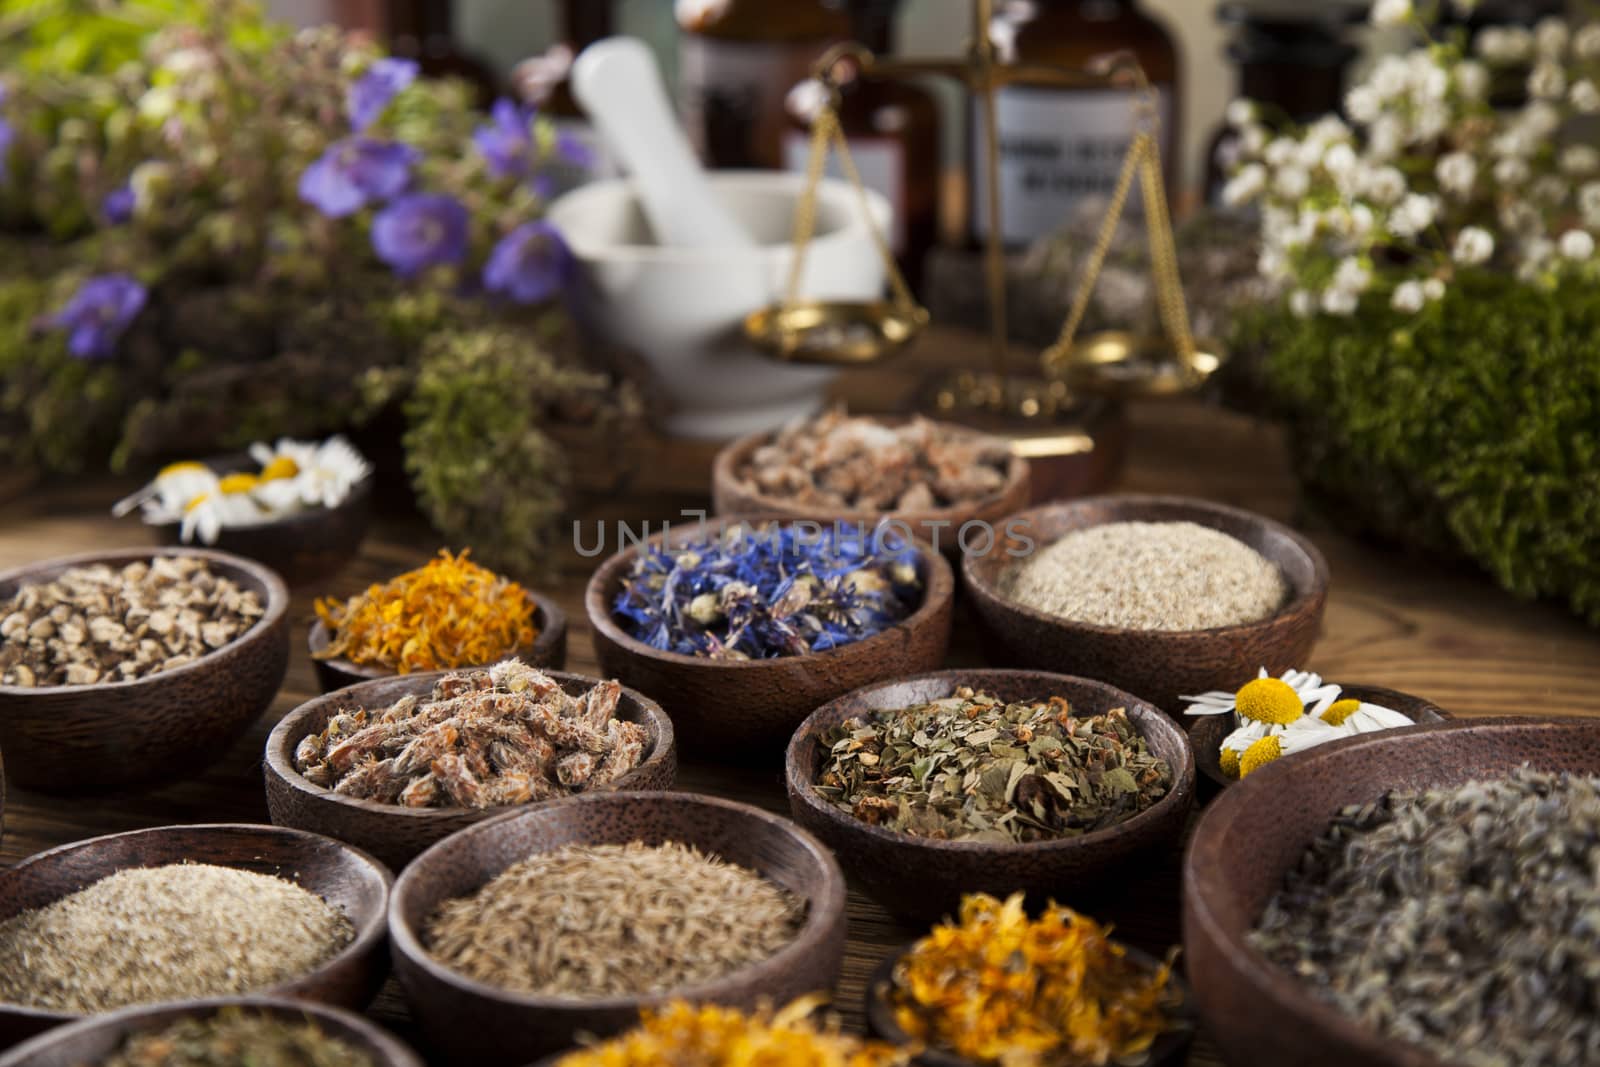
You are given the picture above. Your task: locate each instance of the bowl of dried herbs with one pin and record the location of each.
(181, 913)
(988, 781)
(740, 627)
(514, 936)
(136, 665)
(396, 764)
(262, 1031)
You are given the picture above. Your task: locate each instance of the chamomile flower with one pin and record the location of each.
(1286, 743)
(173, 487)
(228, 503)
(1360, 717)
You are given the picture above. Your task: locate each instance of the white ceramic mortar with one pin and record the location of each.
(682, 309)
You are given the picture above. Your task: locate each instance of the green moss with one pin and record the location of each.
(1472, 428)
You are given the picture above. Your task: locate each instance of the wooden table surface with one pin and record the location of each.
(1405, 623)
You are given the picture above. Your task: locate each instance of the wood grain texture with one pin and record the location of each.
(1405, 622)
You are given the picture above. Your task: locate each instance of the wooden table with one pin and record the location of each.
(1408, 624)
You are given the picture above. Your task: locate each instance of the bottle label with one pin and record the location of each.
(566, 169)
(879, 160)
(1056, 148)
(731, 95)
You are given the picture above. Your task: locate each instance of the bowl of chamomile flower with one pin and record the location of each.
(299, 507)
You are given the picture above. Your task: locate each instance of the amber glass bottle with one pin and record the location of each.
(423, 30)
(737, 61)
(893, 131)
(1057, 144)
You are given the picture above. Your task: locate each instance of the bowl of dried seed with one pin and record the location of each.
(275, 1031)
(1408, 898)
(184, 913)
(394, 765)
(1157, 595)
(515, 935)
(989, 781)
(135, 665)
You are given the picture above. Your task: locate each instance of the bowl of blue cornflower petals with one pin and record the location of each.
(742, 626)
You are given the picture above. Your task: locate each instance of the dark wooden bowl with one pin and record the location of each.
(1158, 665)
(1207, 731)
(347, 878)
(745, 705)
(168, 725)
(396, 834)
(924, 878)
(305, 547)
(548, 651)
(92, 1041)
(468, 1022)
(733, 494)
(1168, 1050)
(1254, 833)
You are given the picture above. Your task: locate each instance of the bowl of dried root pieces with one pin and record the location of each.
(276, 1031)
(396, 764)
(516, 935)
(134, 665)
(988, 781)
(181, 913)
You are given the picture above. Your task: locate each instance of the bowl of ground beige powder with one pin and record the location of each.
(1160, 596)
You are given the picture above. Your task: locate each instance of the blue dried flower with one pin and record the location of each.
(370, 94)
(98, 313)
(420, 231)
(530, 264)
(355, 172)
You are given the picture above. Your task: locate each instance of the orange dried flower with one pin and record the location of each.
(450, 613)
(1055, 991)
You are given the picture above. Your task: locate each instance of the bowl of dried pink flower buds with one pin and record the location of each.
(134, 665)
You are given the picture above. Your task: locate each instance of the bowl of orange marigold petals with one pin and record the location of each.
(446, 615)
(995, 985)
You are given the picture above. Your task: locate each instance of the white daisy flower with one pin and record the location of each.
(230, 503)
(163, 499)
(1286, 743)
(1354, 716)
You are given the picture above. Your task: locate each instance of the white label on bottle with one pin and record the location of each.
(1056, 148)
(879, 161)
(566, 173)
(731, 95)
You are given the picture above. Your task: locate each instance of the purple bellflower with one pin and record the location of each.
(8, 134)
(117, 207)
(371, 93)
(98, 313)
(506, 141)
(530, 264)
(420, 231)
(355, 172)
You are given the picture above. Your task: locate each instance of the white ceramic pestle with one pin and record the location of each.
(619, 85)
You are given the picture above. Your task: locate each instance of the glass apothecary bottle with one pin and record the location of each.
(1061, 144)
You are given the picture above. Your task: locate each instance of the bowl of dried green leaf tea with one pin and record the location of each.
(991, 781)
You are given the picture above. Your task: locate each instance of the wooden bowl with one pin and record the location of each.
(1207, 731)
(548, 651)
(732, 494)
(1158, 665)
(347, 878)
(744, 705)
(396, 834)
(468, 1022)
(1168, 1050)
(925, 878)
(92, 1041)
(305, 547)
(168, 725)
(1252, 835)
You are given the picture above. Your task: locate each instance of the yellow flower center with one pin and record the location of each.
(1340, 710)
(195, 501)
(280, 467)
(1229, 759)
(184, 467)
(1260, 754)
(1269, 700)
(238, 483)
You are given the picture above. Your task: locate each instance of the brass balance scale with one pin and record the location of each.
(1111, 364)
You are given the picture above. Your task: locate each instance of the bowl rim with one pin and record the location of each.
(823, 911)
(360, 495)
(801, 786)
(1283, 991)
(275, 608)
(395, 1052)
(278, 756)
(938, 590)
(830, 189)
(369, 935)
(1301, 598)
(555, 626)
(731, 459)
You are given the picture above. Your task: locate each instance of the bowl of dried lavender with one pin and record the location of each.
(988, 781)
(1158, 595)
(1409, 898)
(740, 627)
(948, 484)
(135, 665)
(276, 1032)
(516, 935)
(394, 765)
(182, 913)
